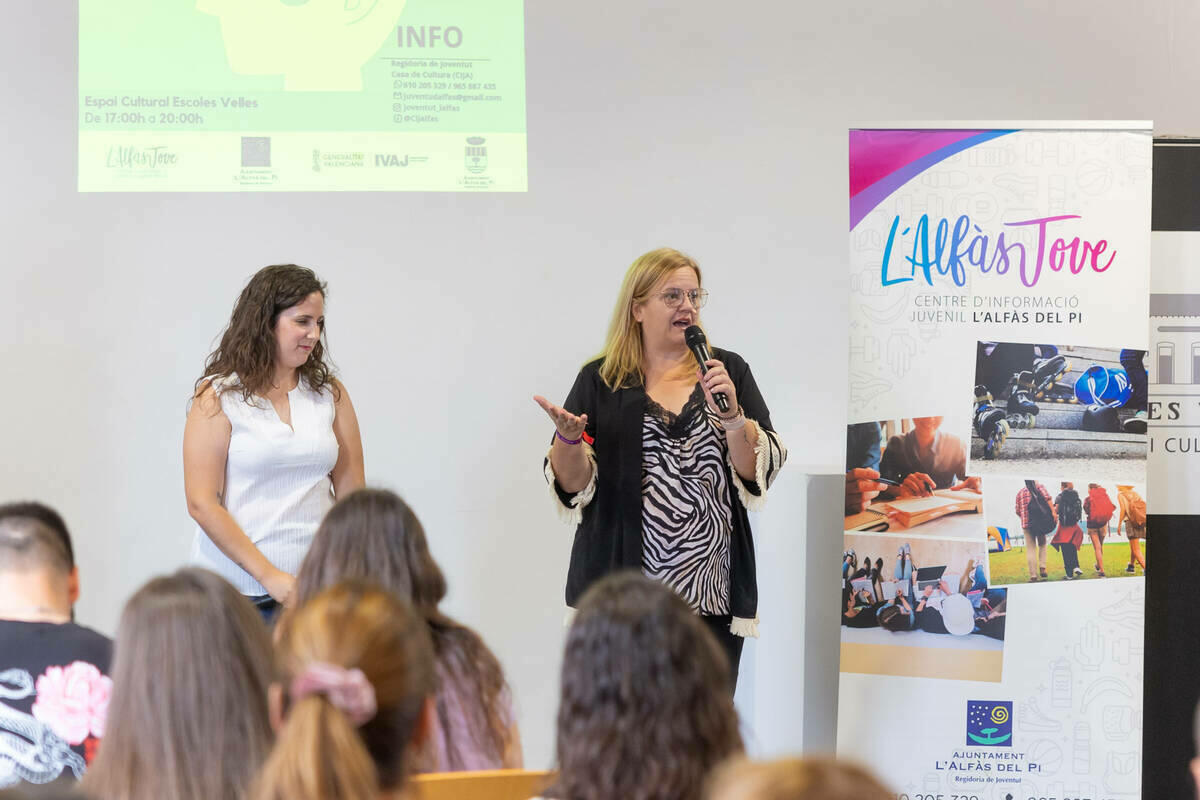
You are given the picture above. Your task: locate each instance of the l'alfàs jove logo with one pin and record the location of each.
(941, 250)
(989, 723)
(142, 157)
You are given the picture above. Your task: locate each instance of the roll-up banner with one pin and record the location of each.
(993, 577)
(1172, 620)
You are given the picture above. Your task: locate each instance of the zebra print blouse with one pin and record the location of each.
(606, 514)
(687, 512)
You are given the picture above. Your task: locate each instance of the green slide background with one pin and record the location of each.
(170, 47)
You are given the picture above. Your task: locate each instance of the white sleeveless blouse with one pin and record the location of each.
(277, 484)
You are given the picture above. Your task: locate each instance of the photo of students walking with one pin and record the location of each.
(1039, 536)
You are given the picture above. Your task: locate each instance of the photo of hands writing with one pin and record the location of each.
(910, 472)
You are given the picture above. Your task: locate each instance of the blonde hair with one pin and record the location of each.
(623, 353)
(795, 779)
(319, 752)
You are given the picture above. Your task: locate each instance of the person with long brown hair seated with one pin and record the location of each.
(373, 535)
(353, 699)
(188, 715)
(645, 710)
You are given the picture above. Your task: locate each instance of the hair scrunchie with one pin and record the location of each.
(348, 690)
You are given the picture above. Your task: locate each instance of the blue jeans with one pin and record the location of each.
(268, 607)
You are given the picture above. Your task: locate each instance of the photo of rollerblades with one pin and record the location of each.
(1045, 409)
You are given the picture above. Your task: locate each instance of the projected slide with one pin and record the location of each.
(301, 95)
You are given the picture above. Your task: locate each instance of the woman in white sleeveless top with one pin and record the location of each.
(271, 438)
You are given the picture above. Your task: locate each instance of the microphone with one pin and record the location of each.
(698, 343)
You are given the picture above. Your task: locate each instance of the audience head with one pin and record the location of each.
(795, 779)
(188, 715)
(351, 703)
(37, 560)
(373, 535)
(646, 709)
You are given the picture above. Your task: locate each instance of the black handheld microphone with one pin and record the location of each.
(698, 343)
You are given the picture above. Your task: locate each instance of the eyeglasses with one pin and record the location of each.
(674, 297)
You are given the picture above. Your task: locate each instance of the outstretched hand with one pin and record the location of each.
(569, 426)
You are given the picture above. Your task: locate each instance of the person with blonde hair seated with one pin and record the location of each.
(353, 699)
(795, 779)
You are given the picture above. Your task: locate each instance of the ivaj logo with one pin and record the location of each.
(989, 723)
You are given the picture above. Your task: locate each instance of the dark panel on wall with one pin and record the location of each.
(1172, 661)
(1176, 185)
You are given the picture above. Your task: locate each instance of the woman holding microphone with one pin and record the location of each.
(652, 472)
(270, 439)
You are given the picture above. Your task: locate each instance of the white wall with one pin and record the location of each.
(718, 128)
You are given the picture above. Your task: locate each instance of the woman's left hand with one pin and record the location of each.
(715, 381)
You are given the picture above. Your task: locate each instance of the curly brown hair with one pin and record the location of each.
(646, 710)
(372, 534)
(248, 343)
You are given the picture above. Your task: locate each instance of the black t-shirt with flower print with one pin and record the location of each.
(54, 691)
